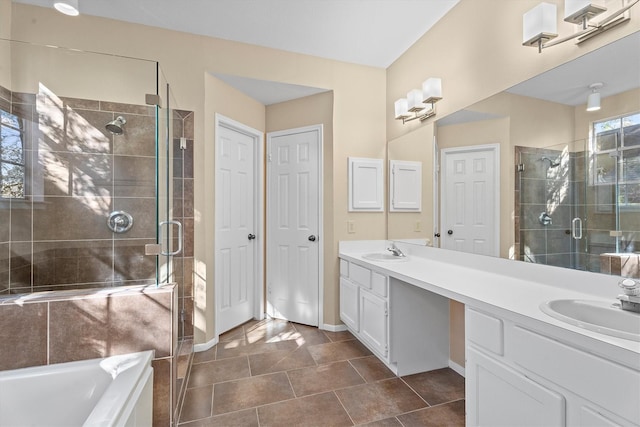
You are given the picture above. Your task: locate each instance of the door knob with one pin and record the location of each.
(251, 236)
(449, 232)
(312, 238)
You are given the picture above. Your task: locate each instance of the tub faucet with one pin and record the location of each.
(395, 251)
(630, 299)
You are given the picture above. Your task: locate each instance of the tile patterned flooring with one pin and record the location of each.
(276, 373)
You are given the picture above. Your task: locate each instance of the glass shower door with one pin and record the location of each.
(613, 196)
(169, 232)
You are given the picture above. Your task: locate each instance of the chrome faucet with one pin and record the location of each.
(395, 251)
(630, 299)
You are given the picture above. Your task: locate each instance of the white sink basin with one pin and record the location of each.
(597, 316)
(384, 257)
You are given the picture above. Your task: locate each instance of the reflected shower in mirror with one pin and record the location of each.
(570, 178)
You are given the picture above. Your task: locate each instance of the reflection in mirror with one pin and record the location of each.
(570, 179)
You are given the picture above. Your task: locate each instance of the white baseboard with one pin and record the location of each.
(205, 346)
(459, 369)
(334, 328)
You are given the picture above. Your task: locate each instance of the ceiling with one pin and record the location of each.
(367, 32)
(616, 66)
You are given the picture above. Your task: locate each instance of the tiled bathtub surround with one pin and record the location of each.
(64, 326)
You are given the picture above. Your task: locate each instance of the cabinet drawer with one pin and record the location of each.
(344, 268)
(379, 284)
(484, 331)
(360, 275)
(604, 383)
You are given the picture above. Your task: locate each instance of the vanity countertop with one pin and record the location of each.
(512, 288)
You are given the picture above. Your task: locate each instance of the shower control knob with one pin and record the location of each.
(449, 232)
(251, 236)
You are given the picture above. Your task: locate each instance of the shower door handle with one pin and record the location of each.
(576, 228)
(179, 224)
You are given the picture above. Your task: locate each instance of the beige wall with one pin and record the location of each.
(308, 111)
(223, 99)
(5, 47)
(475, 49)
(187, 62)
(612, 106)
(417, 147)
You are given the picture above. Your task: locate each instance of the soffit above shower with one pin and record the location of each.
(268, 92)
(366, 32)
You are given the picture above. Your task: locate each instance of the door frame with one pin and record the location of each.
(494, 149)
(319, 128)
(258, 248)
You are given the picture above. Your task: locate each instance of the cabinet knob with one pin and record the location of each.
(449, 232)
(312, 238)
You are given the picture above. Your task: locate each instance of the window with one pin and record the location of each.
(12, 156)
(616, 154)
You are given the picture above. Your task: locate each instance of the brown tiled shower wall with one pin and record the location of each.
(56, 237)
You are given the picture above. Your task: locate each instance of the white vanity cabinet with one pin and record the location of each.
(518, 375)
(364, 306)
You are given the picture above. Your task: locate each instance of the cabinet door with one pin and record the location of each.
(497, 395)
(349, 304)
(373, 322)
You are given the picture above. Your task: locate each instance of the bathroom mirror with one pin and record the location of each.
(569, 178)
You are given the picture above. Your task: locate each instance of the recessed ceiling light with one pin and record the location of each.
(68, 7)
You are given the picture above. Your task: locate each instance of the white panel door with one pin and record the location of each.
(470, 201)
(293, 224)
(235, 227)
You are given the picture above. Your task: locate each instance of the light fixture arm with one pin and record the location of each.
(421, 115)
(541, 27)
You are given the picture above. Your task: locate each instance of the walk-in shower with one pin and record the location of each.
(578, 204)
(92, 179)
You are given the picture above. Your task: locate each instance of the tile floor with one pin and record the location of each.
(276, 373)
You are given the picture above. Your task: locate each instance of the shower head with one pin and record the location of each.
(552, 163)
(115, 126)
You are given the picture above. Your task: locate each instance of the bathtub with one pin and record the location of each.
(114, 391)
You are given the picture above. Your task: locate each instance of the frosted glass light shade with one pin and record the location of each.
(68, 7)
(414, 100)
(539, 23)
(401, 108)
(593, 101)
(576, 10)
(432, 90)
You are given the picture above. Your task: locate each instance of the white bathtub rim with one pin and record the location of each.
(114, 405)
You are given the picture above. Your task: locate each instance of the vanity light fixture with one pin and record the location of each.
(68, 7)
(540, 26)
(593, 100)
(419, 104)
